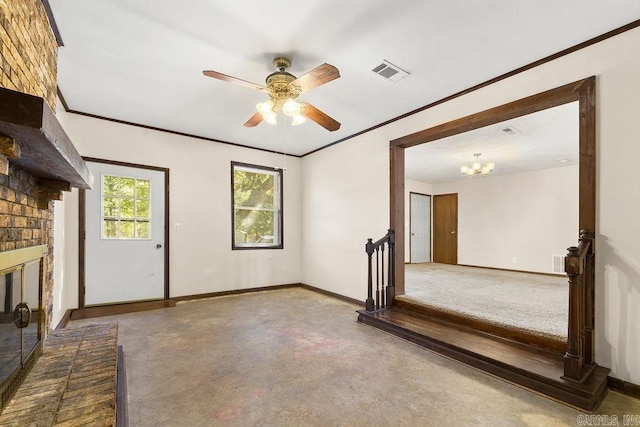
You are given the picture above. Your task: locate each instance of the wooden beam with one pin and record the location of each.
(9, 147)
(50, 184)
(4, 165)
(47, 152)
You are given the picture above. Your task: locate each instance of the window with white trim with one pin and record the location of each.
(256, 206)
(126, 207)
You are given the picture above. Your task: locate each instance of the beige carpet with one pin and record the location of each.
(530, 302)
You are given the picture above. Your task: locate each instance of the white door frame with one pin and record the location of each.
(82, 227)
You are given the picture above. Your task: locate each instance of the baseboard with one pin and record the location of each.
(233, 292)
(268, 288)
(333, 294)
(110, 310)
(515, 271)
(65, 319)
(624, 387)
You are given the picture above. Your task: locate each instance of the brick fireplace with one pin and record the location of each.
(37, 161)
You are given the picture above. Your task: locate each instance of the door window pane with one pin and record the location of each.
(126, 207)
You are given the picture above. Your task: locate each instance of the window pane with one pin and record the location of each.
(142, 209)
(127, 229)
(126, 211)
(110, 208)
(126, 187)
(254, 226)
(110, 185)
(126, 208)
(109, 228)
(142, 230)
(253, 189)
(142, 188)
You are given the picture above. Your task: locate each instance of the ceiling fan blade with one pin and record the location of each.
(316, 77)
(234, 80)
(253, 120)
(312, 113)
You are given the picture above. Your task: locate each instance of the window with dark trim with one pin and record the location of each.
(256, 205)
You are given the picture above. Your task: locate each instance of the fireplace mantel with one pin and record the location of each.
(32, 139)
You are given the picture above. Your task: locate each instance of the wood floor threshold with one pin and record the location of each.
(110, 310)
(480, 325)
(535, 369)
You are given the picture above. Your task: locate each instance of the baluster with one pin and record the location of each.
(377, 278)
(391, 290)
(572, 358)
(369, 250)
(588, 315)
(384, 288)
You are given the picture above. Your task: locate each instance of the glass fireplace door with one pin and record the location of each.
(10, 334)
(21, 315)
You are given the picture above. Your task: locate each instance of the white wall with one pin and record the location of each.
(346, 191)
(61, 294)
(516, 221)
(201, 259)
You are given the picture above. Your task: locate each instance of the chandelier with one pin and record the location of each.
(476, 168)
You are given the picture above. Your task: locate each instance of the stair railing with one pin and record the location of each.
(384, 293)
(579, 263)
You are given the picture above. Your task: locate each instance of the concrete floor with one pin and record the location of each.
(294, 357)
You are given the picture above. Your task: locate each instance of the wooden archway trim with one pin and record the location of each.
(583, 91)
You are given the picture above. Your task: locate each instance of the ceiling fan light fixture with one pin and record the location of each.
(266, 110)
(298, 119)
(291, 108)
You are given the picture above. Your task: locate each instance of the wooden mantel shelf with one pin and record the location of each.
(32, 139)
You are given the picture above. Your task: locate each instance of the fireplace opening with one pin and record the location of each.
(21, 315)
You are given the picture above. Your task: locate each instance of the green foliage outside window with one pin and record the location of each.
(256, 207)
(126, 211)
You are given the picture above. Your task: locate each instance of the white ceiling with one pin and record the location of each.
(141, 61)
(545, 139)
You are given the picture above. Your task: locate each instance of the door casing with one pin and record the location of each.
(83, 219)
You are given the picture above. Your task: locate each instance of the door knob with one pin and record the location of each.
(158, 246)
(453, 232)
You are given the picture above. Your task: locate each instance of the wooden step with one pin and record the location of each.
(537, 369)
(512, 333)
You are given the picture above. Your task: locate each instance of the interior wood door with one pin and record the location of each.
(445, 228)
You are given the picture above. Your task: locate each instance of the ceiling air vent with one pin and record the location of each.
(390, 72)
(509, 130)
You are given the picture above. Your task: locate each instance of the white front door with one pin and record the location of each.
(124, 235)
(420, 227)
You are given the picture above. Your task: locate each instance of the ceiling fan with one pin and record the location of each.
(283, 88)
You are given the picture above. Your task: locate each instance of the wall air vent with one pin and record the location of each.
(558, 263)
(390, 71)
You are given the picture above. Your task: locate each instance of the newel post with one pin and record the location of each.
(573, 358)
(369, 303)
